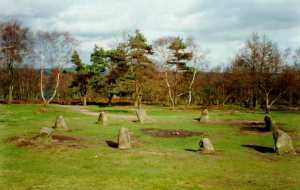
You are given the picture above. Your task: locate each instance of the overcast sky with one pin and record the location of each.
(221, 26)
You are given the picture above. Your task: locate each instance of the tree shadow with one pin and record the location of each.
(112, 144)
(258, 148)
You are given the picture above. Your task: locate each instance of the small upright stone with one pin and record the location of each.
(102, 119)
(141, 115)
(268, 123)
(206, 146)
(124, 139)
(60, 123)
(46, 131)
(282, 142)
(204, 116)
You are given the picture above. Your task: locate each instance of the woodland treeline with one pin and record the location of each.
(44, 67)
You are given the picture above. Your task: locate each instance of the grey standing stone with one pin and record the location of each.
(60, 123)
(268, 123)
(141, 115)
(204, 116)
(46, 131)
(124, 139)
(282, 142)
(102, 119)
(206, 146)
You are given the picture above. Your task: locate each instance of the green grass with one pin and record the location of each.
(153, 162)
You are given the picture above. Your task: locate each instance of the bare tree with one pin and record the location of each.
(262, 61)
(195, 64)
(271, 75)
(296, 57)
(53, 49)
(163, 54)
(13, 46)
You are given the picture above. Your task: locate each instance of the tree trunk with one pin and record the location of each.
(138, 95)
(47, 102)
(291, 101)
(139, 101)
(175, 88)
(169, 90)
(268, 109)
(110, 97)
(41, 85)
(191, 87)
(254, 101)
(84, 101)
(10, 93)
(268, 106)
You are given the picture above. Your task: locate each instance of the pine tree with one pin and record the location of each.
(82, 78)
(76, 60)
(179, 59)
(138, 55)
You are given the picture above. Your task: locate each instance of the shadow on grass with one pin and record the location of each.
(191, 150)
(112, 144)
(255, 129)
(261, 149)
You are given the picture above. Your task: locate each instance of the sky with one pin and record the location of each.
(220, 26)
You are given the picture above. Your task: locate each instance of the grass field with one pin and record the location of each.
(153, 162)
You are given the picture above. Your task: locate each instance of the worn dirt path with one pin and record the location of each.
(85, 111)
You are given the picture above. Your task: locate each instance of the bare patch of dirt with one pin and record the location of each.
(41, 141)
(19, 141)
(63, 138)
(170, 132)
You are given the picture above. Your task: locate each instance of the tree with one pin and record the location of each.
(162, 55)
(13, 47)
(82, 77)
(99, 69)
(139, 52)
(178, 63)
(118, 80)
(75, 59)
(262, 61)
(194, 65)
(52, 49)
(296, 57)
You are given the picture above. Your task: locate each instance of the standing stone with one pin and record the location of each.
(204, 116)
(60, 123)
(102, 119)
(46, 131)
(282, 142)
(268, 123)
(124, 139)
(141, 115)
(206, 146)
